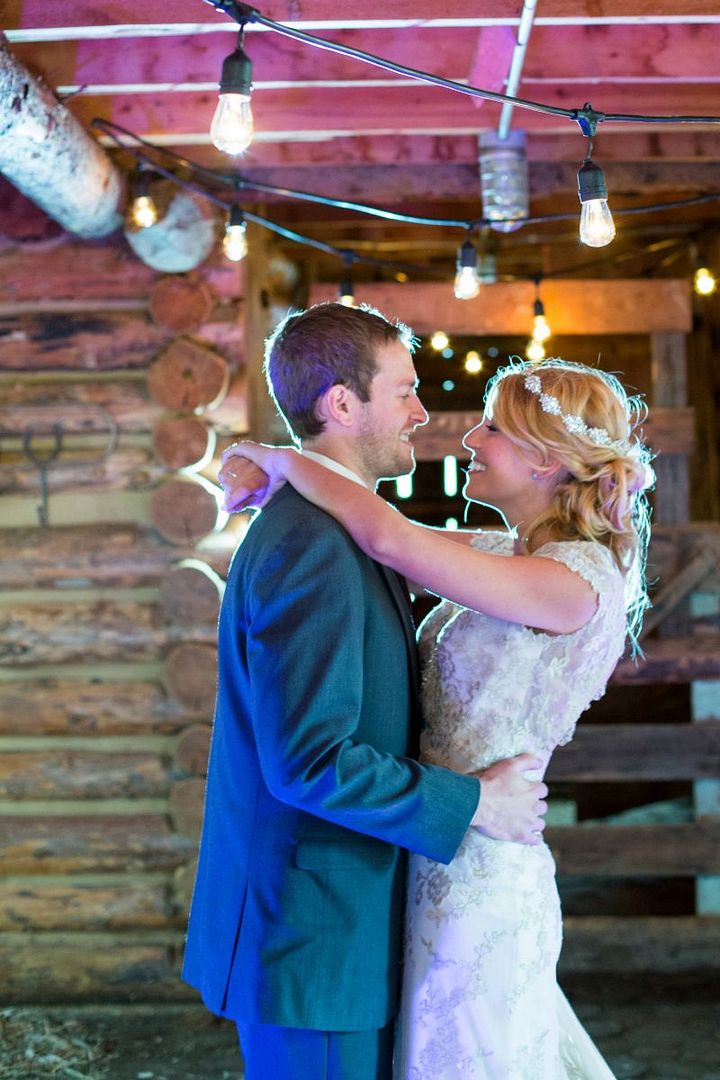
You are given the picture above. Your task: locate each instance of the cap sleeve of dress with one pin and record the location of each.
(593, 562)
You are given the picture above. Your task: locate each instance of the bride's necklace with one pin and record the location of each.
(520, 542)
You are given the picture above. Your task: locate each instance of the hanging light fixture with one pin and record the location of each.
(232, 127)
(597, 227)
(142, 212)
(346, 293)
(704, 281)
(504, 180)
(439, 340)
(535, 351)
(235, 239)
(541, 328)
(467, 282)
(473, 362)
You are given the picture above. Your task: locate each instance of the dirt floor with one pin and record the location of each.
(651, 1030)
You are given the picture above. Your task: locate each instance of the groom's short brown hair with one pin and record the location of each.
(326, 345)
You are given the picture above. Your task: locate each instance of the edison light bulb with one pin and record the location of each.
(473, 363)
(467, 283)
(232, 128)
(535, 351)
(439, 340)
(235, 241)
(346, 294)
(704, 281)
(541, 329)
(597, 227)
(143, 211)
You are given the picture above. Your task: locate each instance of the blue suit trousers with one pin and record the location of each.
(282, 1053)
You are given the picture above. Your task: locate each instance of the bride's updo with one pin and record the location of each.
(560, 413)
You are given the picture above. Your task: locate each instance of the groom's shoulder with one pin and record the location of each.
(289, 520)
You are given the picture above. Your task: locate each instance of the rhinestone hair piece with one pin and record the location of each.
(574, 424)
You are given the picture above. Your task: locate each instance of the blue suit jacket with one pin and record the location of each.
(312, 789)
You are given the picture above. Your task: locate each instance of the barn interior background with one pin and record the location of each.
(130, 356)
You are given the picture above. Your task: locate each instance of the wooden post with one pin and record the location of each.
(705, 703)
(265, 423)
(669, 390)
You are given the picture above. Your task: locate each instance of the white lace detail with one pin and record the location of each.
(484, 933)
(496, 541)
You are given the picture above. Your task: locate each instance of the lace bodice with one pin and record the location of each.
(493, 689)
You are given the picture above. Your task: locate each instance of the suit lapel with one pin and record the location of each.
(402, 601)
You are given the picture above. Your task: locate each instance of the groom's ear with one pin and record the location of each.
(338, 405)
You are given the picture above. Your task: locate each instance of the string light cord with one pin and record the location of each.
(346, 254)
(239, 182)
(361, 208)
(587, 117)
(350, 257)
(244, 14)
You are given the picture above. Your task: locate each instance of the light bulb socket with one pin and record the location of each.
(142, 177)
(466, 256)
(539, 308)
(236, 218)
(236, 76)
(591, 182)
(346, 293)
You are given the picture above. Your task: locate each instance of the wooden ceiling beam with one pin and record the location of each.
(666, 147)
(572, 307)
(622, 53)
(390, 185)
(117, 14)
(197, 58)
(614, 54)
(295, 112)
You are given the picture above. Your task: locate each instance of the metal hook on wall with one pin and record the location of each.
(43, 459)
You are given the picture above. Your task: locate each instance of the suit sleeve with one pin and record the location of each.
(305, 662)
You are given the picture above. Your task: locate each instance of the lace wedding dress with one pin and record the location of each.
(480, 998)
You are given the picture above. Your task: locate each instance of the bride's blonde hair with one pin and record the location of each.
(590, 429)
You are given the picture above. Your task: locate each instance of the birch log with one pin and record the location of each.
(50, 157)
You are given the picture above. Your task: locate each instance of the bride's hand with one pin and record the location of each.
(250, 475)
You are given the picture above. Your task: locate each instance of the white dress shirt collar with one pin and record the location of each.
(336, 467)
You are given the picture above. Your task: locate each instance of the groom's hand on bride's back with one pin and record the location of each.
(512, 807)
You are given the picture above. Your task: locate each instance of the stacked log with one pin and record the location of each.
(107, 622)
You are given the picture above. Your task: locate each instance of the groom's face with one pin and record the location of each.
(391, 415)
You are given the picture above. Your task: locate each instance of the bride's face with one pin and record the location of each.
(497, 474)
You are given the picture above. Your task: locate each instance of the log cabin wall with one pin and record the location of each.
(107, 612)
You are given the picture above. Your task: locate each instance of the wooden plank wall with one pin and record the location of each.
(107, 631)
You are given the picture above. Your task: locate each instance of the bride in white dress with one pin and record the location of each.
(536, 620)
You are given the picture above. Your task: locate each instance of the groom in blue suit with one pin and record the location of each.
(314, 792)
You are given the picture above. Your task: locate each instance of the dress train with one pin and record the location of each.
(579, 1056)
